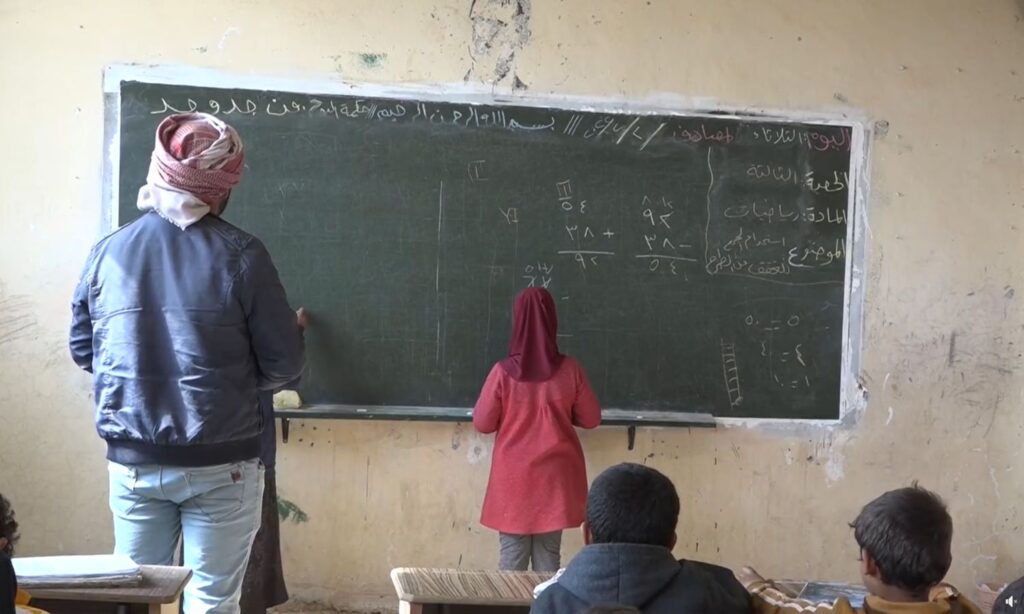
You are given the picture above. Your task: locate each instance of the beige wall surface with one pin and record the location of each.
(944, 330)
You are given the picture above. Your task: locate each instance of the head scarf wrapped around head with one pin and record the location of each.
(533, 354)
(196, 161)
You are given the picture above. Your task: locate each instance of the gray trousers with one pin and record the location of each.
(544, 549)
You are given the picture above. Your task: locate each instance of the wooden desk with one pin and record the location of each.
(160, 585)
(452, 591)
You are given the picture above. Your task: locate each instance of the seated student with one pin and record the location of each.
(904, 538)
(1011, 599)
(8, 584)
(11, 599)
(630, 530)
(8, 536)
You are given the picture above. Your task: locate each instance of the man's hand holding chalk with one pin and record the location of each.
(288, 398)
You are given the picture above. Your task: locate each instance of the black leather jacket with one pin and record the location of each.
(181, 329)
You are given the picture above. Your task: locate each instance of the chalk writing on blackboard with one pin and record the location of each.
(782, 336)
(511, 215)
(771, 212)
(664, 248)
(730, 370)
(701, 134)
(572, 124)
(637, 130)
(476, 170)
(583, 256)
(538, 274)
(812, 139)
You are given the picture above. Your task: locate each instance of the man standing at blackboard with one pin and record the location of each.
(182, 320)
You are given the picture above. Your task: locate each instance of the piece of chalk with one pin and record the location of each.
(287, 399)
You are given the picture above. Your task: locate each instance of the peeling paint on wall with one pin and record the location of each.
(501, 28)
(286, 510)
(227, 33)
(479, 448)
(834, 466)
(457, 436)
(372, 60)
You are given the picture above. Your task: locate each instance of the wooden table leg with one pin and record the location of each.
(404, 607)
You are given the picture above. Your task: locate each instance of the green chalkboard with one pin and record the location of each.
(698, 263)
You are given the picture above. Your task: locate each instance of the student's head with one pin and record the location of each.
(533, 354)
(8, 527)
(904, 538)
(1012, 594)
(632, 504)
(612, 609)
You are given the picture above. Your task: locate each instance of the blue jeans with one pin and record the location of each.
(215, 511)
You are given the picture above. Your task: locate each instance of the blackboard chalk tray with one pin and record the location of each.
(609, 417)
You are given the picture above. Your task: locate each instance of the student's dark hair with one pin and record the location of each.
(1002, 604)
(908, 534)
(612, 609)
(8, 526)
(632, 504)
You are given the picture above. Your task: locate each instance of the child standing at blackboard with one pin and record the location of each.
(532, 399)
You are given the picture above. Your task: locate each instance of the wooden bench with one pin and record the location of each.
(160, 585)
(458, 591)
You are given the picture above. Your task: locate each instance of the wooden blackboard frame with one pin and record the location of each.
(852, 399)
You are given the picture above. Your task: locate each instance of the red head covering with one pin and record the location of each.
(199, 154)
(533, 354)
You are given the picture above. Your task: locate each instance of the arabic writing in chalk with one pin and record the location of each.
(773, 212)
(834, 182)
(816, 140)
(701, 134)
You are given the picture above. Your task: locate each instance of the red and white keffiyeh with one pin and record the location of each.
(196, 161)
